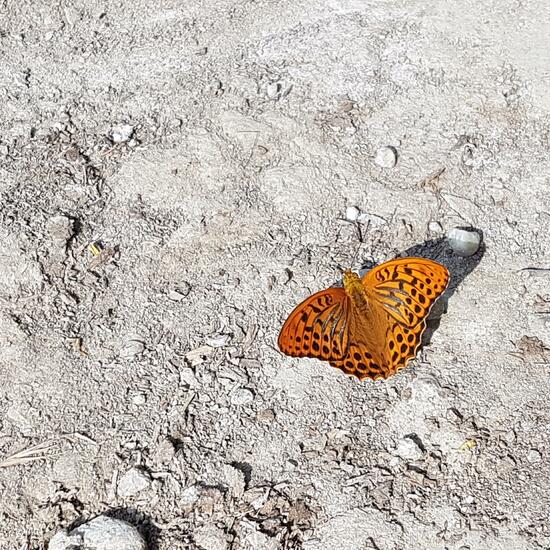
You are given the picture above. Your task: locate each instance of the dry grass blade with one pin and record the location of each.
(35, 452)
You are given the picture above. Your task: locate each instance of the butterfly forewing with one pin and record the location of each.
(407, 288)
(319, 327)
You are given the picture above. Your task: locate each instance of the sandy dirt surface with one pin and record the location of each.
(210, 149)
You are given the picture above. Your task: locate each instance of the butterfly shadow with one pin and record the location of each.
(459, 268)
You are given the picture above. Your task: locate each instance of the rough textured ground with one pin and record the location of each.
(212, 148)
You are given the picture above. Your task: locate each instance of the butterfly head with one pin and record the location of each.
(352, 282)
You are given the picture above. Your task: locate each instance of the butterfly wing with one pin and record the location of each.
(319, 327)
(387, 336)
(407, 288)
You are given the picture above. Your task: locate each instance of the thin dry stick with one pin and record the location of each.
(35, 452)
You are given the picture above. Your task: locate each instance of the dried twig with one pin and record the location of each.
(31, 454)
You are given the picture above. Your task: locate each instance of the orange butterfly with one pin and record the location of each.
(372, 327)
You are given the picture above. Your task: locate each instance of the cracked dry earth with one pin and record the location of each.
(174, 179)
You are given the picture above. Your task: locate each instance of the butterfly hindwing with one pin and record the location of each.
(402, 344)
(361, 362)
(318, 327)
(407, 288)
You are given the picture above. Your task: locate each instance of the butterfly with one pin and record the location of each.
(371, 327)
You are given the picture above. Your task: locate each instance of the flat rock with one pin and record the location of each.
(101, 533)
(133, 482)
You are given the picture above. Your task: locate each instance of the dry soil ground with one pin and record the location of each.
(212, 148)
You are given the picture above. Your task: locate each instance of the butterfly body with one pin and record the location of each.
(373, 326)
(356, 291)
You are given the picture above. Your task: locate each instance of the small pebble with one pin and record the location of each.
(407, 449)
(60, 229)
(131, 349)
(534, 456)
(139, 399)
(267, 415)
(218, 341)
(386, 157)
(352, 213)
(273, 90)
(242, 396)
(164, 451)
(133, 482)
(189, 495)
(122, 133)
(101, 533)
(464, 242)
(176, 295)
(234, 479)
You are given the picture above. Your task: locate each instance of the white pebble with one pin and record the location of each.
(122, 133)
(386, 157)
(60, 228)
(175, 295)
(534, 456)
(242, 396)
(101, 533)
(133, 482)
(218, 341)
(190, 495)
(407, 449)
(234, 479)
(139, 399)
(131, 349)
(180, 292)
(273, 90)
(352, 213)
(464, 242)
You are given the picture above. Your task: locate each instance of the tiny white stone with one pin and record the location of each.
(273, 90)
(242, 396)
(131, 349)
(189, 495)
(386, 157)
(352, 213)
(463, 242)
(164, 452)
(187, 376)
(60, 228)
(407, 449)
(139, 399)
(122, 133)
(101, 533)
(534, 456)
(218, 341)
(234, 479)
(133, 482)
(176, 295)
